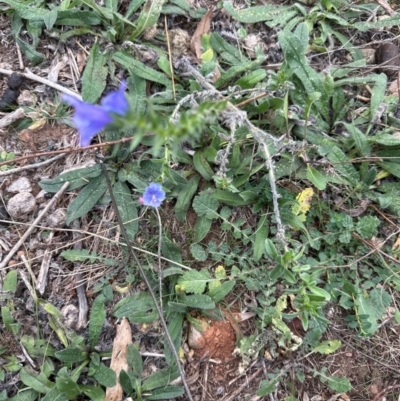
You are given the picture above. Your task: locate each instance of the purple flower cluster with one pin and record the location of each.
(153, 195)
(90, 119)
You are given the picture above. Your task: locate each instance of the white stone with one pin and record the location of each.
(20, 205)
(22, 184)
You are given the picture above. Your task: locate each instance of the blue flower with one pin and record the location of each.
(90, 119)
(153, 195)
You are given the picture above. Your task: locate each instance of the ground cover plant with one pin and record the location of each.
(214, 200)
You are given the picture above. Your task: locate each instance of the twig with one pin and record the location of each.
(31, 166)
(20, 60)
(146, 280)
(44, 271)
(33, 77)
(12, 117)
(80, 288)
(32, 226)
(28, 267)
(376, 398)
(72, 150)
(205, 382)
(31, 290)
(244, 385)
(394, 369)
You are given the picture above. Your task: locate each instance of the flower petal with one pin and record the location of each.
(115, 102)
(89, 119)
(153, 195)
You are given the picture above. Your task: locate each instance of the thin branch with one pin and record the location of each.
(58, 152)
(33, 77)
(32, 166)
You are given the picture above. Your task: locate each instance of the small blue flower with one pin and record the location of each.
(90, 119)
(153, 195)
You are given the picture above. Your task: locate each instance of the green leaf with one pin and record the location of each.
(339, 384)
(200, 301)
(105, 376)
(251, 15)
(126, 208)
(229, 198)
(271, 249)
(134, 360)
(198, 252)
(194, 281)
(250, 80)
(67, 386)
(54, 395)
(161, 378)
(201, 228)
(205, 206)
(201, 165)
(392, 168)
(385, 139)
(260, 237)
(10, 282)
(316, 178)
(95, 393)
(166, 393)
(367, 226)
(94, 76)
(26, 395)
(140, 69)
(343, 166)
(38, 382)
(148, 17)
(217, 294)
(138, 308)
(175, 327)
(170, 250)
(327, 347)
(267, 387)
(86, 199)
(360, 139)
(378, 96)
(76, 178)
(71, 355)
(97, 319)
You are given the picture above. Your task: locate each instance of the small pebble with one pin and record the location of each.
(21, 204)
(20, 185)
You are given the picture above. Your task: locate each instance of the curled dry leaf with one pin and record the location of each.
(118, 358)
(202, 28)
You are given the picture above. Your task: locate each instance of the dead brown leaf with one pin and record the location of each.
(118, 358)
(202, 28)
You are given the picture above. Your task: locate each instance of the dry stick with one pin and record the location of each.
(30, 75)
(146, 280)
(376, 398)
(31, 166)
(80, 288)
(244, 385)
(32, 227)
(58, 152)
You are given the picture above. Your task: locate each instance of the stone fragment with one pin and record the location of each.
(20, 185)
(21, 204)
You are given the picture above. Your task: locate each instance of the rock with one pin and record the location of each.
(21, 204)
(57, 218)
(20, 185)
(388, 57)
(8, 99)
